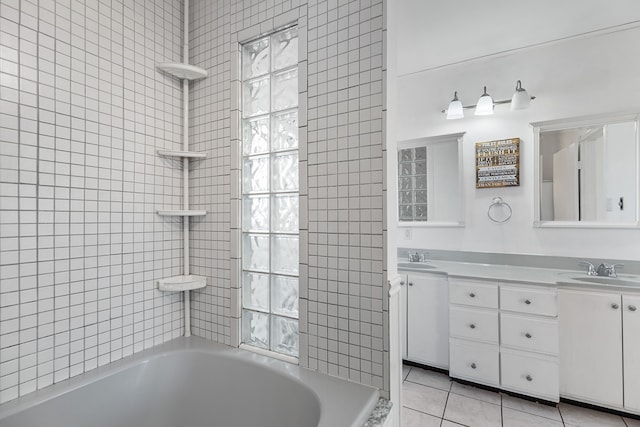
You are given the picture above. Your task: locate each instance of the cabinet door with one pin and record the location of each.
(428, 320)
(631, 339)
(403, 316)
(590, 329)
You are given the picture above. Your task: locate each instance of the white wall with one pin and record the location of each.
(575, 77)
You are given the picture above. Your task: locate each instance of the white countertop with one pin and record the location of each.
(524, 275)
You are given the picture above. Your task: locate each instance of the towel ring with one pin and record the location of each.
(497, 201)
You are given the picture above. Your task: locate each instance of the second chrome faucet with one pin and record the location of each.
(604, 269)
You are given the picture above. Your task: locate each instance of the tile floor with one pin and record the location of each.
(431, 399)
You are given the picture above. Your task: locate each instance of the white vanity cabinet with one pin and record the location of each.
(591, 346)
(529, 340)
(505, 335)
(474, 331)
(600, 348)
(427, 319)
(631, 351)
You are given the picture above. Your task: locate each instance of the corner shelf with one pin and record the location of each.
(182, 213)
(182, 283)
(183, 71)
(188, 154)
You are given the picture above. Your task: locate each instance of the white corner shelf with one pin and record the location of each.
(182, 213)
(183, 71)
(189, 154)
(182, 283)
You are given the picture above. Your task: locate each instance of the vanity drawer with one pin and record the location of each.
(529, 375)
(474, 361)
(527, 300)
(476, 324)
(535, 334)
(472, 292)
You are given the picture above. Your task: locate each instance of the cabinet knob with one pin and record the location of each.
(527, 301)
(632, 308)
(472, 326)
(410, 283)
(529, 378)
(402, 283)
(473, 366)
(528, 335)
(615, 306)
(472, 295)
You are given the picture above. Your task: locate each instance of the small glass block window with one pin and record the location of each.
(270, 226)
(412, 184)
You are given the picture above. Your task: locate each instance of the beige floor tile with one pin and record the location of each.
(529, 407)
(476, 393)
(513, 418)
(405, 371)
(411, 418)
(472, 412)
(447, 423)
(583, 417)
(422, 398)
(430, 378)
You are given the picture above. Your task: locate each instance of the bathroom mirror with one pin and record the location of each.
(587, 172)
(429, 181)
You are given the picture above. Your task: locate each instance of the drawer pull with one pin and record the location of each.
(528, 335)
(472, 326)
(472, 295)
(527, 301)
(632, 308)
(615, 306)
(529, 378)
(473, 366)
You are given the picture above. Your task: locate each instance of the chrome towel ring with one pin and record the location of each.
(495, 206)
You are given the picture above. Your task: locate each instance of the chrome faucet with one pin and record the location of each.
(608, 270)
(416, 257)
(591, 269)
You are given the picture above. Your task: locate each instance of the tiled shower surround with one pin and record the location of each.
(83, 111)
(342, 293)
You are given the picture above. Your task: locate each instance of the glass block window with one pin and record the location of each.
(270, 192)
(412, 184)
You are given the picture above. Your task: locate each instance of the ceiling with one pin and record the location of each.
(433, 33)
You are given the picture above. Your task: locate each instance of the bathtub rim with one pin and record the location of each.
(331, 392)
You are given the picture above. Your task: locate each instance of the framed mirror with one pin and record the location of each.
(587, 172)
(430, 182)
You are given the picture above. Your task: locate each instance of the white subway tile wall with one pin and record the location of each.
(82, 112)
(343, 301)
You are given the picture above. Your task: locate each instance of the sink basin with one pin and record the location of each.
(415, 265)
(619, 281)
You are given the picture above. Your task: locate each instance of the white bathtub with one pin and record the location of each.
(191, 382)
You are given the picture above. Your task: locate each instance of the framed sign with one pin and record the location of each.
(498, 163)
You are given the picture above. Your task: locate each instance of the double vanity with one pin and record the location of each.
(543, 333)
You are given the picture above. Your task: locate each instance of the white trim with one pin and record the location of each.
(584, 121)
(586, 224)
(430, 224)
(270, 353)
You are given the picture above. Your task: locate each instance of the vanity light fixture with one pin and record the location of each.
(455, 110)
(485, 104)
(519, 101)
